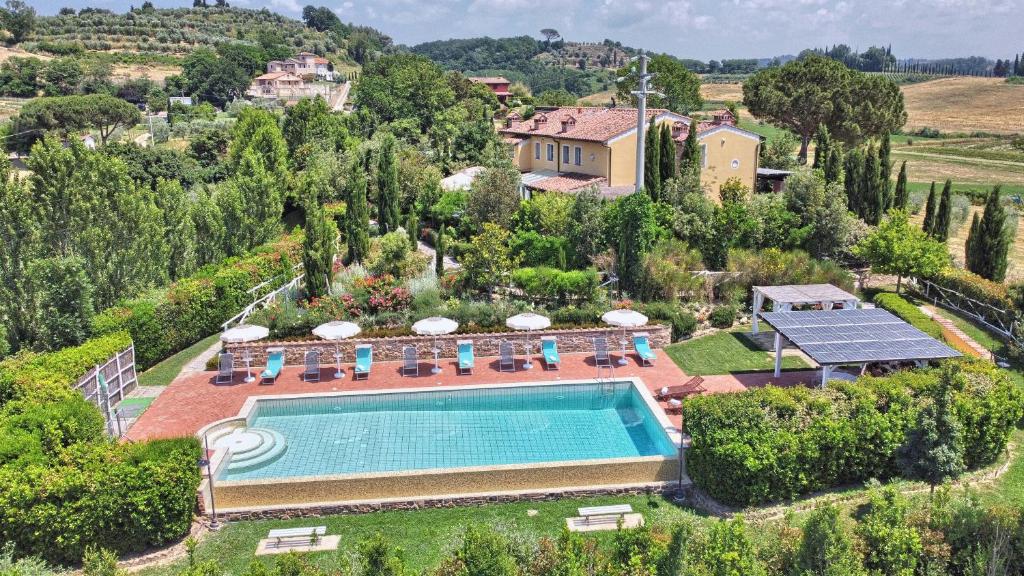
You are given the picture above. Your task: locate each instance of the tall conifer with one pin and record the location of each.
(989, 243)
(901, 197)
(666, 155)
(873, 197)
(885, 173)
(943, 217)
(652, 163)
(929, 211)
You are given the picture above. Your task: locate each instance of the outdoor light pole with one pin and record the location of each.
(205, 462)
(641, 93)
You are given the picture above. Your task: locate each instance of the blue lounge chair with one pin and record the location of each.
(465, 356)
(643, 348)
(364, 360)
(549, 348)
(275, 361)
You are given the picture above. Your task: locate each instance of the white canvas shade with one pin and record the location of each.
(337, 330)
(624, 319)
(528, 321)
(435, 326)
(245, 333)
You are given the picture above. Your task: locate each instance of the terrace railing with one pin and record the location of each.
(1006, 323)
(118, 379)
(286, 289)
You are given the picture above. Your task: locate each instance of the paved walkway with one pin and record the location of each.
(966, 344)
(194, 400)
(449, 262)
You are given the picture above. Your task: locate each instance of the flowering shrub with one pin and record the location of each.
(382, 293)
(335, 307)
(624, 304)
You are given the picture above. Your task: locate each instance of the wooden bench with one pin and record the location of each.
(604, 513)
(307, 535)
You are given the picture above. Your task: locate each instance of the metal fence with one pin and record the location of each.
(107, 384)
(1004, 322)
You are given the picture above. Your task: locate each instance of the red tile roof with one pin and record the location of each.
(595, 124)
(567, 182)
(489, 79)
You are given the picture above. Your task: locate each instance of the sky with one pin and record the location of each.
(704, 29)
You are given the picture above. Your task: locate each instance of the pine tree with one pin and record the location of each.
(822, 146)
(666, 156)
(901, 196)
(929, 212)
(944, 215)
(989, 244)
(357, 215)
(854, 170)
(885, 173)
(439, 251)
(388, 191)
(871, 189)
(652, 163)
(834, 165)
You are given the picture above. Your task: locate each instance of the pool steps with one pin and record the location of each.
(250, 447)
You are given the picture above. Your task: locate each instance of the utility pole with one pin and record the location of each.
(641, 93)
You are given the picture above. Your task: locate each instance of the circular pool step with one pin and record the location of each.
(251, 447)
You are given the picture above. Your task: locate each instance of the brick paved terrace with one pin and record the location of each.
(195, 400)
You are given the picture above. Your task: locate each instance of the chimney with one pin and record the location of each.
(538, 120)
(567, 123)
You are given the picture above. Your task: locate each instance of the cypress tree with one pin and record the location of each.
(989, 244)
(834, 164)
(357, 215)
(388, 193)
(854, 168)
(822, 146)
(944, 215)
(689, 164)
(929, 212)
(318, 248)
(901, 197)
(885, 173)
(439, 252)
(652, 163)
(666, 155)
(412, 228)
(873, 198)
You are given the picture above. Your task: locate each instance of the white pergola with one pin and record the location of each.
(784, 298)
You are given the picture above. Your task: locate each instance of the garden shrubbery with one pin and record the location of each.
(723, 316)
(909, 313)
(546, 284)
(773, 444)
(192, 308)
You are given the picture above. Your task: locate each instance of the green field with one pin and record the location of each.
(726, 353)
(163, 373)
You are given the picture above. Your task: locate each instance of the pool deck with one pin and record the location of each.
(195, 400)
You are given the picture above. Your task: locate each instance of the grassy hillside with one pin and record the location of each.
(176, 31)
(965, 104)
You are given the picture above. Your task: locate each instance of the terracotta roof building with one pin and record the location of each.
(498, 84)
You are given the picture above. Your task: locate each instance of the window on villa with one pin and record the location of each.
(565, 154)
(703, 155)
(579, 156)
(551, 152)
(536, 150)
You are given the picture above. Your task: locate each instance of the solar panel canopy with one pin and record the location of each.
(833, 337)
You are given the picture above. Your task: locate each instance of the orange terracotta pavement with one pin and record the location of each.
(195, 400)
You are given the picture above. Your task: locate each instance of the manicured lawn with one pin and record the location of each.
(425, 535)
(163, 373)
(725, 353)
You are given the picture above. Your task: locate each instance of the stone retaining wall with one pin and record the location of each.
(485, 344)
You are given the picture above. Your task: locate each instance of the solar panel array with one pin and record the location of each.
(856, 336)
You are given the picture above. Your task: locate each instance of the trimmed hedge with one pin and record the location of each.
(773, 444)
(723, 316)
(553, 285)
(973, 286)
(683, 323)
(48, 377)
(192, 308)
(908, 313)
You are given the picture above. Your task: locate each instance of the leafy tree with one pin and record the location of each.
(209, 226)
(929, 211)
(211, 78)
(934, 449)
(666, 155)
(892, 545)
(637, 233)
(943, 217)
(652, 161)
(389, 195)
(725, 551)
(179, 228)
(310, 124)
(803, 94)
(494, 195)
(252, 204)
(19, 244)
(826, 548)
(404, 86)
(70, 114)
(62, 301)
(484, 552)
(378, 557)
(318, 247)
(488, 261)
(21, 76)
(18, 19)
(357, 215)
(320, 18)
(901, 196)
(680, 86)
(989, 240)
(733, 191)
(558, 97)
(777, 152)
(896, 247)
(885, 172)
(583, 230)
(62, 77)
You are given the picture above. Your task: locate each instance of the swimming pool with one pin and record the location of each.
(438, 437)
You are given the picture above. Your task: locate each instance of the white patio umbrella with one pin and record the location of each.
(624, 319)
(335, 331)
(529, 322)
(245, 333)
(435, 326)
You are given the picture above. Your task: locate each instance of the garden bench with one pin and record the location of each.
(306, 535)
(604, 513)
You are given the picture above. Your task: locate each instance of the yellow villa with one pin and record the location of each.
(571, 148)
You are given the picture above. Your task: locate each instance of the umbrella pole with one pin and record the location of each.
(622, 360)
(337, 360)
(526, 344)
(437, 354)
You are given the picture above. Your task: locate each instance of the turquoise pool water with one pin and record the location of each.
(456, 428)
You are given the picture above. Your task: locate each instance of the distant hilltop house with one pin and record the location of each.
(571, 148)
(305, 65)
(183, 100)
(498, 84)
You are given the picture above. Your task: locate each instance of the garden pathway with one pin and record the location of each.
(968, 342)
(449, 262)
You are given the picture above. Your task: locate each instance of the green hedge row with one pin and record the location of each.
(909, 313)
(192, 308)
(47, 377)
(554, 285)
(973, 286)
(773, 444)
